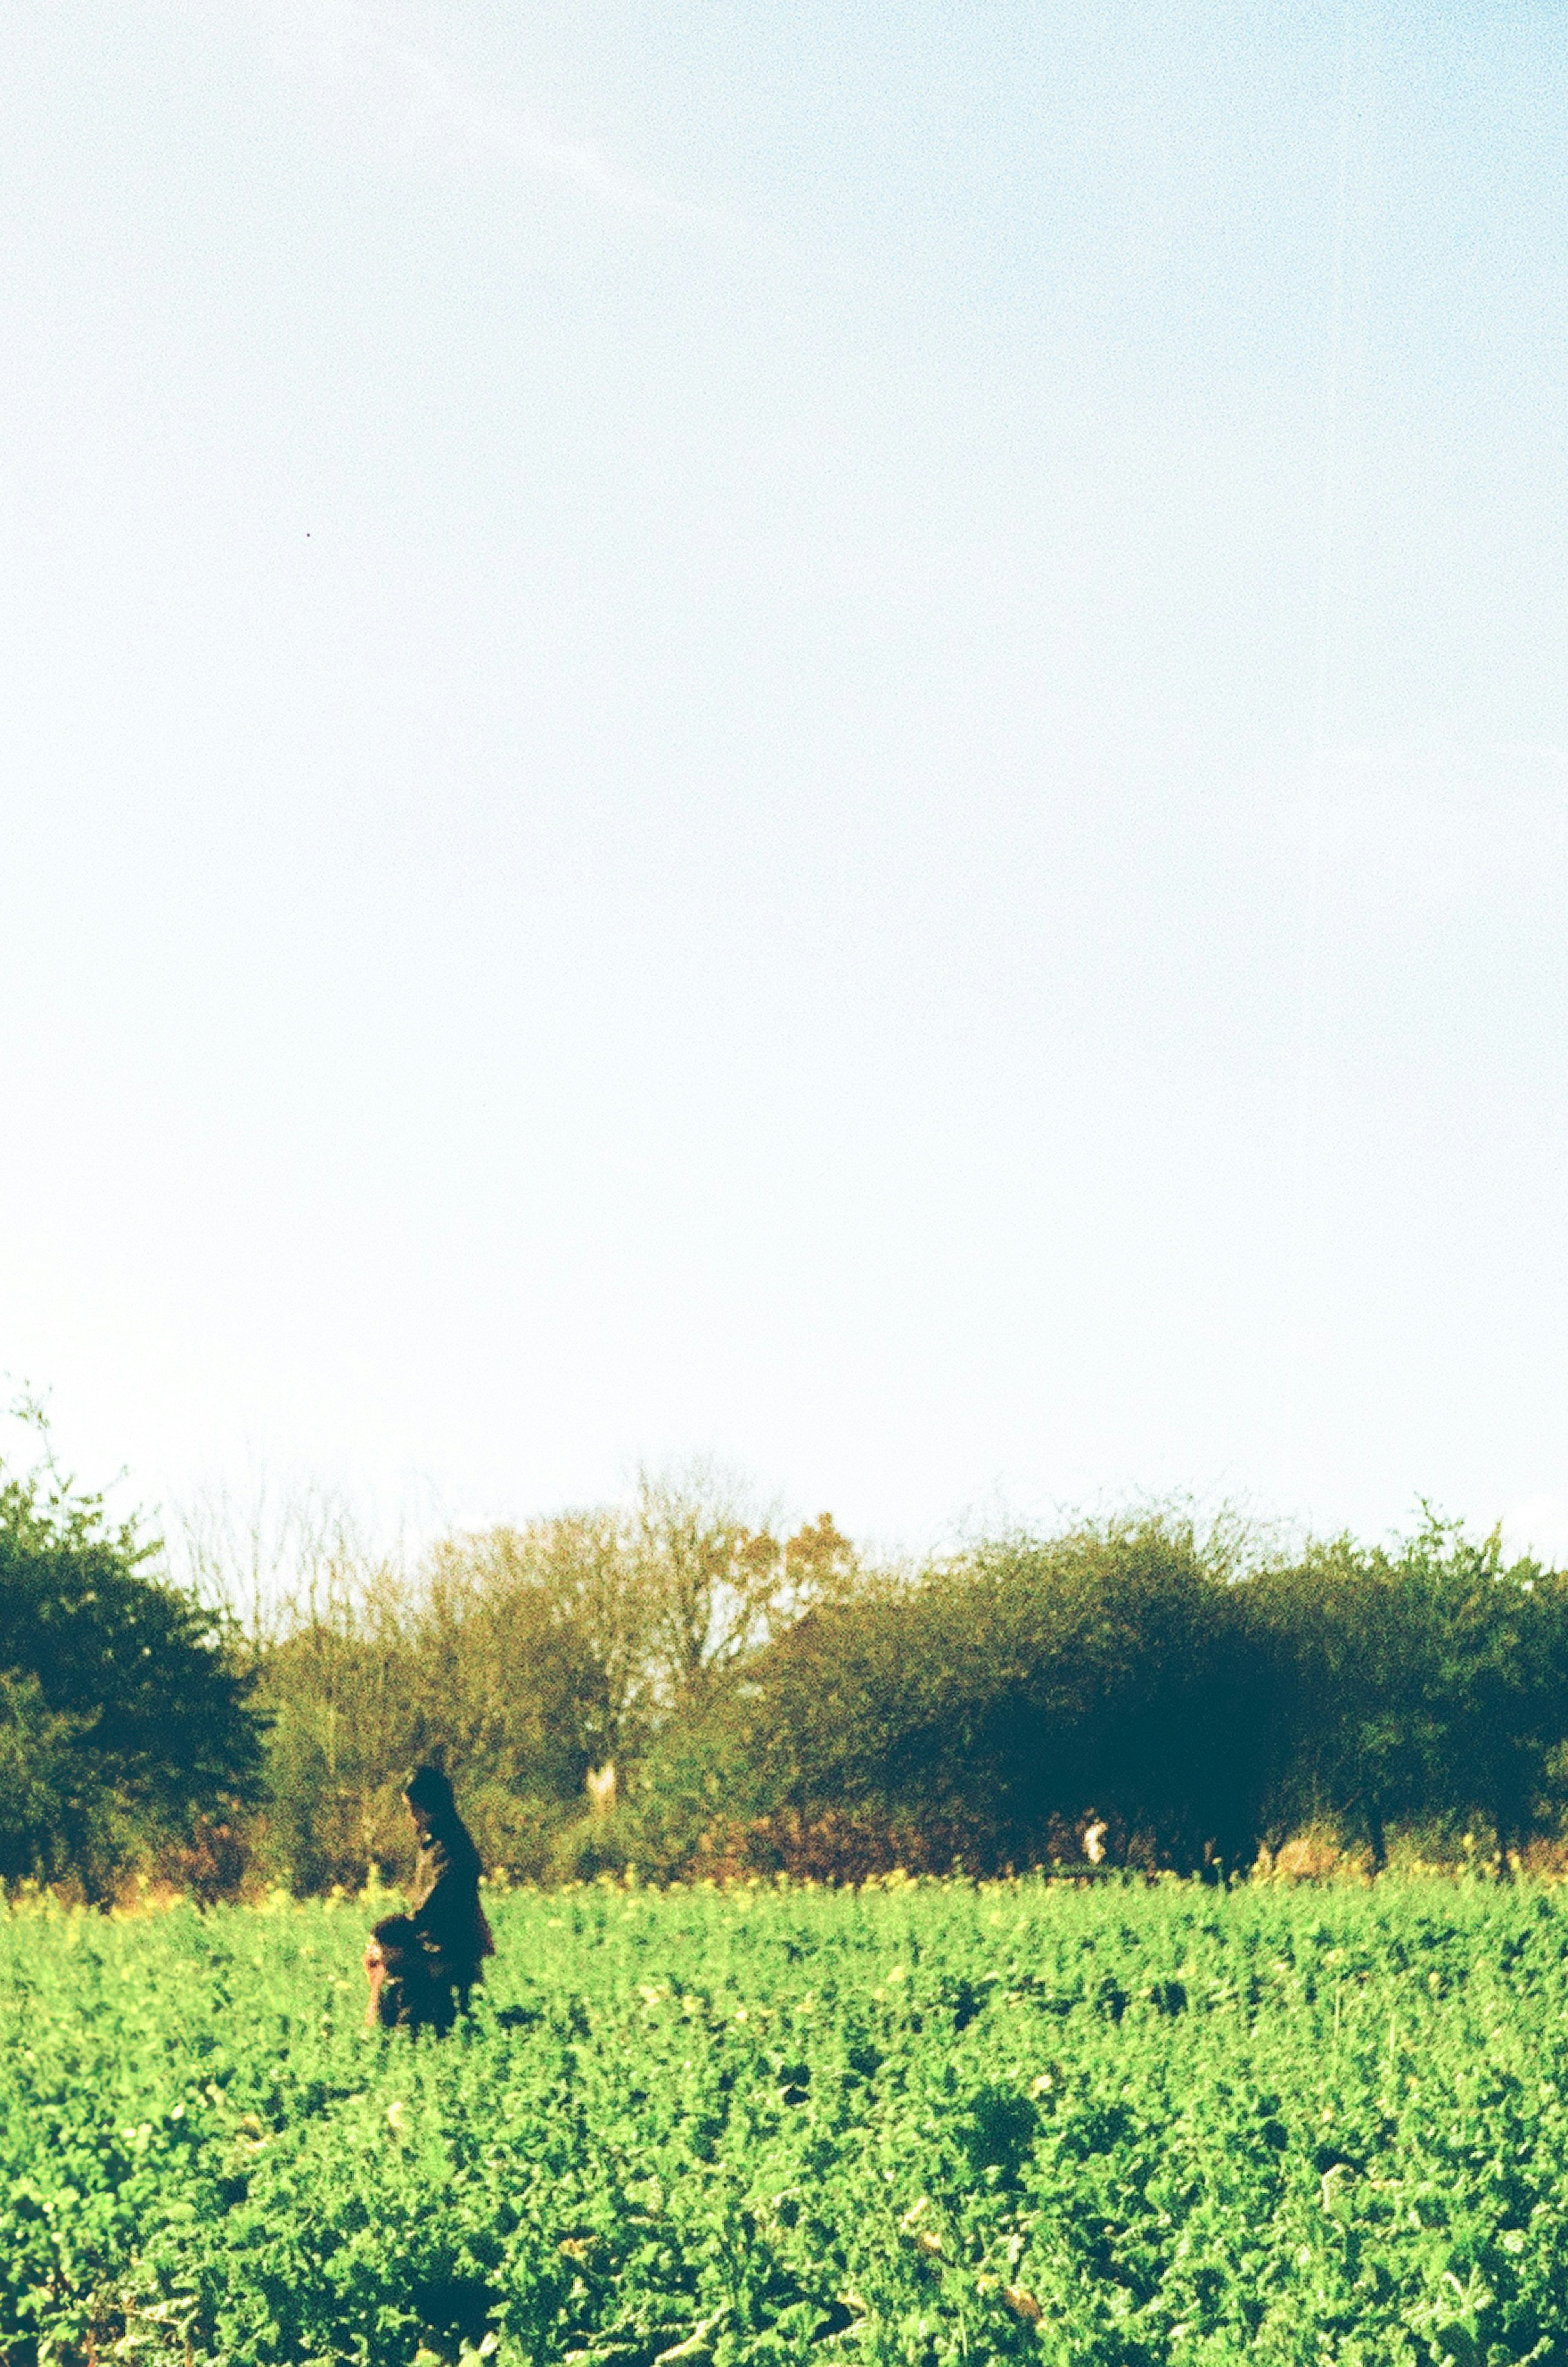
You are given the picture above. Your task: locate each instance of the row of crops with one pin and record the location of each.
(921, 2123)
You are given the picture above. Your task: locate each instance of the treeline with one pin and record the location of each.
(670, 1686)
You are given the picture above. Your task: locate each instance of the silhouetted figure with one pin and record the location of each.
(404, 1994)
(445, 1898)
(423, 1966)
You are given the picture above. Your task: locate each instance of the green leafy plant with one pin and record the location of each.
(921, 2121)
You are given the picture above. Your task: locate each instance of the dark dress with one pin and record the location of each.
(444, 1904)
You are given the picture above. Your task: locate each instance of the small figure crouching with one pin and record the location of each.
(405, 1992)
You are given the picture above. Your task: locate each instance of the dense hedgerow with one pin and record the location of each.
(1117, 2126)
(672, 1687)
(753, 1704)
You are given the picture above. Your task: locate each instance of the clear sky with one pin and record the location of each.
(831, 734)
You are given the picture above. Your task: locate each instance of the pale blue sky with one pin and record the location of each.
(830, 734)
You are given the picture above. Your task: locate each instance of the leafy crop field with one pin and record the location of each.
(919, 2123)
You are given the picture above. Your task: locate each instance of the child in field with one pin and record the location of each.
(404, 1992)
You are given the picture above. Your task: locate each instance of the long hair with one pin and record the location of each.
(430, 1788)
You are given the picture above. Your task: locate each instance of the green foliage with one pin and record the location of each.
(526, 1658)
(672, 1687)
(1431, 1682)
(40, 1778)
(123, 1720)
(1136, 2126)
(734, 1702)
(1026, 1685)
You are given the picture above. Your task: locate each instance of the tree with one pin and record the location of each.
(712, 1586)
(532, 1651)
(1355, 1637)
(1425, 1681)
(991, 1701)
(1500, 1676)
(123, 1716)
(336, 1668)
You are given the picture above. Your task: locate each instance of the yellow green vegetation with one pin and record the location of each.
(671, 1686)
(1117, 2125)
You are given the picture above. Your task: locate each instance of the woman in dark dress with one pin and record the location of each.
(423, 1966)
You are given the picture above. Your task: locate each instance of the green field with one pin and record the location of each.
(924, 2122)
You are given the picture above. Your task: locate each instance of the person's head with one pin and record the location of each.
(394, 1936)
(429, 1795)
